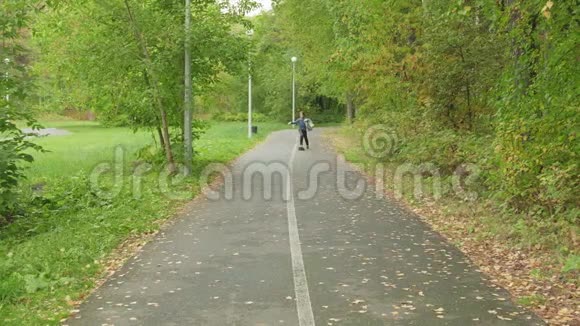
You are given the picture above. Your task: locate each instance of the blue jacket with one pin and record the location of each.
(302, 123)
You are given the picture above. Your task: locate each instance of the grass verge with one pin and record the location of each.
(55, 254)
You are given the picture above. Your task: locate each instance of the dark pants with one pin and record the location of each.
(304, 137)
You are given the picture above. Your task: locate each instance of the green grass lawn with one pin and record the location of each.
(91, 144)
(88, 145)
(53, 256)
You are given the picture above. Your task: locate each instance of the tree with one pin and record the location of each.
(15, 86)
(488, 82)
(154, 85)
(126, 61)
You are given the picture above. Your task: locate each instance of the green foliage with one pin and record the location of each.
(491, 83)
(462, 61)
(239, 117)
(532, 300)
(91, 60)
(572, 264)
(15, 85)
(536, 144)
(199, 127)
(271, 69)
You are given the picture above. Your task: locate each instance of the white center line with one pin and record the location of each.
(305, 315)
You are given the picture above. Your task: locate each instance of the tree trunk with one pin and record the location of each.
(161, 140)
(155, 89)
(350, 108)
(517, 51)
(467, 91)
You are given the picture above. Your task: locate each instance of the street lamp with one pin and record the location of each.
(188, 94)
(294, 59)
(250, 33)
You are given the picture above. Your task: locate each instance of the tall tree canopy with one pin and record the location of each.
(125, 59)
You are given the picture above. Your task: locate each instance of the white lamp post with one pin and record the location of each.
(294, 59)
(250, 33)
(188, 94)
(250, 105)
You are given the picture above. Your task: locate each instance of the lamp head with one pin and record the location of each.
(294, 59)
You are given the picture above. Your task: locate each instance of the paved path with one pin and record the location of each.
(47, 132)
(326, 260)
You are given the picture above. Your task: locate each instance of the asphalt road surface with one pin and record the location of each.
(47, 132)
(312, 251)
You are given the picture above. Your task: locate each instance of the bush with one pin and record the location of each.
(239, 117)
(15, 146)
(319, 118)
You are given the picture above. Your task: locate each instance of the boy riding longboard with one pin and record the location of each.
(304, 125)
